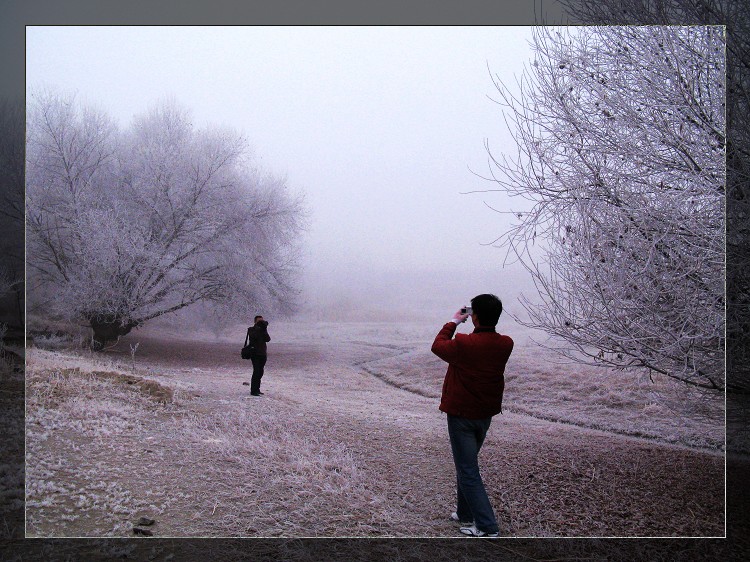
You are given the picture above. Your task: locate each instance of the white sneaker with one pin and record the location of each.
(472, 531)
(454, 517)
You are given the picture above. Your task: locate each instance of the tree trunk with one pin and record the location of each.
(108, 329)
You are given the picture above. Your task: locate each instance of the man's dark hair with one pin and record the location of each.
(488, 309)
(256, 318)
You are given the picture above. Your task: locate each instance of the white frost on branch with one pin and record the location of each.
(621, 149)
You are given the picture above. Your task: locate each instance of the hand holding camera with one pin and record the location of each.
(462, 315)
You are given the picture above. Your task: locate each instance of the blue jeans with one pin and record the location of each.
(466, 437)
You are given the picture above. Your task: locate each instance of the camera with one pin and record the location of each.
(466, 310)
(263, 324)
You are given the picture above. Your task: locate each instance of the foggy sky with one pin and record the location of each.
(378, 126)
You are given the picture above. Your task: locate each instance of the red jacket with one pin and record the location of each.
(474, 384)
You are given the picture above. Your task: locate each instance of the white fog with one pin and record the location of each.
(381, 129)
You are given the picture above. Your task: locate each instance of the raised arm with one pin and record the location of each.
(444, 345)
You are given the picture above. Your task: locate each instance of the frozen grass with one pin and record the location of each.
(254, 466)
(52, 341)
(74, 421)
(278, 468)
(332, 451)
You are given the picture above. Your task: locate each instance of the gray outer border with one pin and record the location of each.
(16, 14)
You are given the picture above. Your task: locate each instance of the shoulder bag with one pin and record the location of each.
(248, 350)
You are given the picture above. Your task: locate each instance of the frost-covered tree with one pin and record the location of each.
(621, 148)
(126, 226)
(735, 16)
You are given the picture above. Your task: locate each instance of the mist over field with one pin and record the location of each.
(390, 294)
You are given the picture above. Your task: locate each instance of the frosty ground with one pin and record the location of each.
(348, 441)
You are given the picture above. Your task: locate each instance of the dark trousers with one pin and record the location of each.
(259, 362)
(467, 436)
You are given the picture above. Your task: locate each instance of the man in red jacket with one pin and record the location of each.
(472, 394)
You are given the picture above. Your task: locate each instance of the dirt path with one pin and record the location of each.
(384, 466)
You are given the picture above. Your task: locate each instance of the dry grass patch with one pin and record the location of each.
(76, 426)
(65, 384)
(275, 474)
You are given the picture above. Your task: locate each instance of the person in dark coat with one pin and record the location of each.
(472, 394)
(257, 336)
